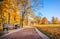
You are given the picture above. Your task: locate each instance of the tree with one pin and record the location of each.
(25, 3)
(8, 10)
(45, 21)
(1, 12)
(13, 6)
(40, 20)
(37, 19)
(59, 22)
(55, 20)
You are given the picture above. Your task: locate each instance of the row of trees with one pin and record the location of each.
(9, 10)
(55, 20)
(44, 20)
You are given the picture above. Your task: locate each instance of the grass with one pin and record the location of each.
(49, 25)
(51, 36)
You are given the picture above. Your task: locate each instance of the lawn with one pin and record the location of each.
(52, 32)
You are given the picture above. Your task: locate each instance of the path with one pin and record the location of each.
(26, 33)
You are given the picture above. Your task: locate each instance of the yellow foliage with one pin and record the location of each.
(10, 7)
(11, 18)
(17, 18)
(0, 20)
(1, 28)
(5, 17)
(45, 21)
(16, 9)
(0, 10)
(55, 20)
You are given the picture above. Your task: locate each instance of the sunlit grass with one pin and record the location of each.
(51, 36)
(51, 31)
(48, 25)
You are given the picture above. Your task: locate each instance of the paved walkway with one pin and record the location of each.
(25, 33)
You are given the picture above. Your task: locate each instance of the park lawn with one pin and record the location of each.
(52, 25)
(52, 32)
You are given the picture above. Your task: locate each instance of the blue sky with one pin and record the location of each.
(51, 8)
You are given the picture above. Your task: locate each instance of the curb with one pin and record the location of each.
(43, 36)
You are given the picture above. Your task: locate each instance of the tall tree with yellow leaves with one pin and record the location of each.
(13, 6)
(8, 7)
(40, 20)
(55, 20)
(1, 12)
(45, 21)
